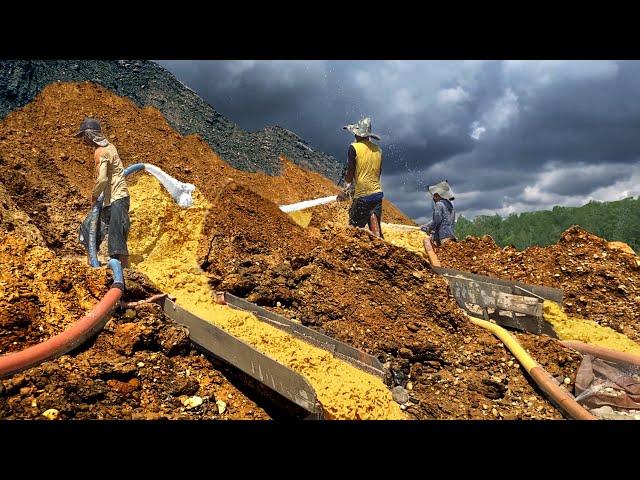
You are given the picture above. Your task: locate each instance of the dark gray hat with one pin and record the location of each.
(89, 124)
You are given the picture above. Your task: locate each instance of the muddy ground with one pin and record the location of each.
(379, 298)
(599, 282)
(339, 280)
(141, 366)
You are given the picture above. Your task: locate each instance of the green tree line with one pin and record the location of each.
(619, 220)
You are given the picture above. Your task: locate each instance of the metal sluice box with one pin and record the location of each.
(510, 304)
(278, 378)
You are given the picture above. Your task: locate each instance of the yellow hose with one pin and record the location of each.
(563, 399)
(560, 397)
(512, 344)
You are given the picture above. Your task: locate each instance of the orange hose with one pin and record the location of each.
(64, 342)
(563, 399)
(602, 352)
(433, 258)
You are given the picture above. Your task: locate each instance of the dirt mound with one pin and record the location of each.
(147, 83)
(49, 174)
(41, 294)
(13, 219)
(141, 366)
(472, 252)
(600, 283)
(373, 295)
(248, 243)
(385, 301)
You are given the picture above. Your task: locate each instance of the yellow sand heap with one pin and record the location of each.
(408, 239)
(163, 242)
(44, 271)
(620, 246)
(301, 217)
(587, 331)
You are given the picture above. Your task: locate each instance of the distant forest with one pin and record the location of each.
(618, 220)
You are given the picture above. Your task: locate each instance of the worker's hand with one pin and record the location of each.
(344, 194)
(93, 199)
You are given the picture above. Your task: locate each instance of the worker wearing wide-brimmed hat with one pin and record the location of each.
(363, 171)
(112, 184)
(441, 227)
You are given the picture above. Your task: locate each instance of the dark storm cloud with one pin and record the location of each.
(582, 178)
(509, 136)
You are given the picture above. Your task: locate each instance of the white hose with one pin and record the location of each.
(294, 207)
(181, 192)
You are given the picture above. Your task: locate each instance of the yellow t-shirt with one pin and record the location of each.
(368, 167)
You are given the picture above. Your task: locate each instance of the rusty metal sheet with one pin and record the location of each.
(522, 302)
(519, 304)
(547, 293)
(355, 357)
(525, 323)
(277, 377)
(478, 293)
(493, 296)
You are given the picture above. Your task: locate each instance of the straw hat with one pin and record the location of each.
(362, 128)
(443, 189)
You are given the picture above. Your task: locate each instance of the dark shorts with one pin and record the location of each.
(360, 212)
(116, 216)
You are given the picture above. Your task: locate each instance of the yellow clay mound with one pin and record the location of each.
(163, 243)
(301, 217)
(31, 275)
(587, 331)
(620, 246)
(411, 240)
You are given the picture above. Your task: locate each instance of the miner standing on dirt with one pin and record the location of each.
(441, 227)
(110, 181)
(364, 167)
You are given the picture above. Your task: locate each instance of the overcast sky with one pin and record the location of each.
(510, 136)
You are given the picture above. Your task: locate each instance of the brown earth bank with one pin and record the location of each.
(377, 297)
(41, 294)
(49, 174)
(141, 365)
(600, 282)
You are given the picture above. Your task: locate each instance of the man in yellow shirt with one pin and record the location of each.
(112, 183)
(364, 168)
